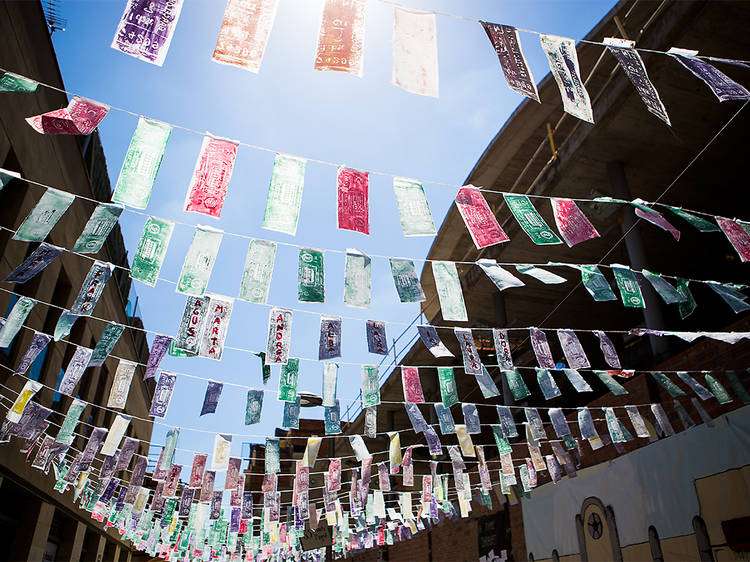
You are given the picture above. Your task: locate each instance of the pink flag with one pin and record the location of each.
(412, 387)
(244, 33)
(341, 39)
(353, 200)
(655, 217)
(738, 235)
(573, 225)
(80, 118)
(482, 224)
(211, 176)
(199, 467)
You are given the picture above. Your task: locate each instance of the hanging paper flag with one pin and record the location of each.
(546, 277)
(14, 83)
(64, 324)
(216, 326)
(192, 324)
(700, 223)
(371, 422)
(507, 45)
(406, 280)
(578, 382)
(413, 209)
(547, 384)
(563, 62)
(411, 385)
(92, 288)
(98, 227)
(515, 382)
(486, 384)
(617, 431)
(639, 424)
(612, 385)
(35, 263)
(666, 383)
(654, 217)
(67, 429)
(26, 394)
(734, 298)
(44, 216)
(145, 30)
(332, 416)
(394, 452)
(502, 348)
(211, 398)
(162, 394)
(359, 447)
(285, 194)
(151, 250)
(471, 418)
(686, 307)
(415, 59)
(38, 342)
(662, 420)
(541, 348)
(376, 339)
(530, 220)
(142, 163)
(478, 217)
(330, 376)
(717, 389)
(448, 391)
(279, 336)
(199, 261)
(431, 340)
(220, 457)
(211, 176)
(357, 279)
(448, 286)
(244, 33)
(118, 394)
(115, 435)
(311, 276)
(288, 381)
(632, 64)
(667, 292)
(587, 428)
(573, 350)
(272, 456)
(80, 118)
(685, 419)
(415, 416)
(499, 276)
(74, 371)
(721, 85)
(608, 350)
(158, 350)
(573, 225)
(256, 277)
(341, 39)
(15, 320)
(464, 441)
(199, 467)
(630, 291)
(737, 387)
(596, 284)
(329, 343)
(697, 387)
(471, 360)
(370, 386)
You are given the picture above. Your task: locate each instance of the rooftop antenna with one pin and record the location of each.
(52, 15)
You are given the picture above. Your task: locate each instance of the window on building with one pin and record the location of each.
(655, 544)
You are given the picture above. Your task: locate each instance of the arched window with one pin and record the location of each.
(701, 537)
(655, 544)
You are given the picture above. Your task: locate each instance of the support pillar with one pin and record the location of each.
(75, 531)
(116, 556)
(100, 548)
(41, 531)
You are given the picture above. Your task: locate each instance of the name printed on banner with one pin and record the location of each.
(192, 325)
(216, 327)
(279, 336)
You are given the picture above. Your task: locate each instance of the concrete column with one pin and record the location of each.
(130, 554)
(116, 555)
(41, 532)
(71, 548)
(100, 548)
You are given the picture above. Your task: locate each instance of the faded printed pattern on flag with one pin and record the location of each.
(80, 118)
(199, 261)
(44, 216)
(353, 198)
(98, 227)
(211, 176)
(504, 39)
(244, 33)
(413, 209)
(573, 225)
(146, 28)
(480, 221)
(415, 58)
(256, 277)
(563, 62)
(285, 194)
(152, 249)
(341, 39)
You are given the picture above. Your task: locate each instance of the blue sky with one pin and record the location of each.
(365, 123)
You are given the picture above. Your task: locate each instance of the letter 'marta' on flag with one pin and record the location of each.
(311, 276)
(279, 336)
(499, 276)
(341, 38)
(471, 360)
(530, 220)
(44, 216)
(142, 162)
(738, 234)
(14, 83)
(15, 320)
(563, 62)
(541, 348)
(413, 209)
(504, 39)
(288, 381)
(630, 291)
(158, 350)
(478, 217)
(34, 264)
(406, 280)
(370, 386)
(631, 63)
(256, 277)
(152, 249)
(192, 324)
(92, 288)
(162, 394)
(217, 324)
(357, 279)
(432, 342)
(98, 227)
(211, 398)
(27, 392)
(38, 342)
(211, 176)
(353, 200)
(415, 58)
(118, 394)
(199, 261)
(244, 33)
(573, 350)
(146, 28)
(448, 288)
(721, 85)
(285, 194)
(411, 385)
(573, 225)
(80, 118)
(220, 457)
(329, 342)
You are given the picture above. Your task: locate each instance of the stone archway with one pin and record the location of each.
(597, 532)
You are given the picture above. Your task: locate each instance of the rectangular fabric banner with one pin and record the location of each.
(216, 326)
(98, 227)
(256, 277)
(666, 291)
(357, 279)
(415, 58)
(448, 287)
(311, 276)
(448, 392)
(632, 64)
(67, 429)
(74, 370)
(18, 314)
(530, 220)
(34, 264)
(152, 250)
(285, 194)
(279, 336)
(721, 85)
(192, 325)
(329, 343)
(578, 382)
(413, 209)
(445, 418)
(486, 385)
(471, 360)
(411, 385)
(118, 394)
(695, 221)
(655, 218)
(517, 386)
(330, 382)
(38, 342)
(220, 457)
(546, 277)
(596, 284)
(573, 225)
(614, 387)
(30, 388)
(65, 323)
(502, 348)
(478, 217)
(738, 234)
(14, 83)
(80, 117)
(158, 350)
(608, 350)
(541, 348)
(507, 45)
(630, 291)
(573, 350)
(471, 418)
(92, 288)
(431, 340)
(499, 276)
(353, 198)
(341, 38)
(162, 394)
(211, 398)
(44, 216)
(406, 280)
(211, 176)
(142, 163)
(199, 467)
(332, 416)
(288, 381)
(114, 435)
(146, 28)
(547, 384)
(244, 33)
(563, 62)
(370, 386)
(199, 261)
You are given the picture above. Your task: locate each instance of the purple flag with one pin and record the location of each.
(158, 350)
(211, 399)
(541, 348)
(162, 395)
